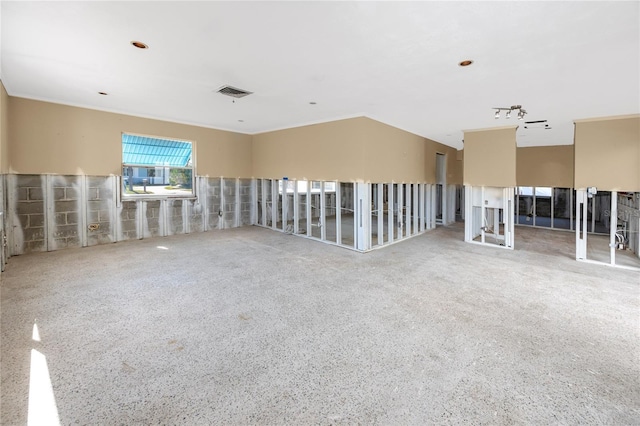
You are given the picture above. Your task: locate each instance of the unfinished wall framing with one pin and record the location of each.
(51, 212)
(358, 216)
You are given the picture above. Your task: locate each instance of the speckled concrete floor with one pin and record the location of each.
(251, 326)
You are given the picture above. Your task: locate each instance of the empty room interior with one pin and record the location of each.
(319, 213)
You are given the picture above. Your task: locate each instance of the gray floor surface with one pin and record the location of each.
(252, 326)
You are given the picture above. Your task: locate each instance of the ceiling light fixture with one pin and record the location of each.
(521, 111)
(139, 45)
(465, 63)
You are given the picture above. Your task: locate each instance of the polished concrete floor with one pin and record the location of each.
(251, 326)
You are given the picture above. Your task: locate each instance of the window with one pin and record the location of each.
(156, 166)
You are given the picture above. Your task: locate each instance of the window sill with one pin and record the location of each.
(153, 197)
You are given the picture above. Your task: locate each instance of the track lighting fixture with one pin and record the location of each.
(521, 111)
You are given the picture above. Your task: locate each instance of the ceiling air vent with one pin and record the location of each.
(234, 92)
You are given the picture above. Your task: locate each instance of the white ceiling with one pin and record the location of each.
(393, 62)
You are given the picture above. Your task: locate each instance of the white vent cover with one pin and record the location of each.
(234, 92)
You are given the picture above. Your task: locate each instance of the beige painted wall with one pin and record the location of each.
(52, 138)
(490, 157)
(607, 153)
(351, 150)
(393, 155)
(545, 166)
(327, 151)
(4, 129)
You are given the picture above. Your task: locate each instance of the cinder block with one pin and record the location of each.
(103, 216)
(35, 194)
(93, 240)
(22, 194)
(58, 194)
(65, 206)
(60, 218)
(33, 234)
(128, 226)
(72, 194)
(29, 181)
(96, 181)
(93, 217)
(72, 218)
(73, 242)
(34, 246)
(214, 221)
(92, 194)
(105, 228)
(30, 207)
(98, 205)
(24, 220)
(65, 231)
(196, 224)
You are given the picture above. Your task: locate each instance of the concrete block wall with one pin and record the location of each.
(51, 212)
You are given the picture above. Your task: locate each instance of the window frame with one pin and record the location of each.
(122, 185)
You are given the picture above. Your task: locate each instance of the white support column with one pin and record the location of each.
(84, 239)
(274, 203)
(309, 210)
(416, 205)
(363, 216)
(428, 203)
(186, 223)
(613, 226)
(355, 215)
(400, 215)
(593, 214)
(421, 200)
(296, 208)
(263, 195)
(444, 204)
(222, 205)
(581, 222)
(468, 213)
(533, 223)
(380, 206)
(434, 195)
(338, 213)
(552, 206)
(203, 192)
(285, 204)
(390, 209)
(483, 213)
(323, 215)
(509, 236)
(407, 210)
(237, 216)
(50, 216)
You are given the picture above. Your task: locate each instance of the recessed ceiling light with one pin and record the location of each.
(103, 93)
(466, 63)
(312, 103)
(139, 45)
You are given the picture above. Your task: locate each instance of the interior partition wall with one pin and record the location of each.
(619, 214)
(359, 216)
(489, 218)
